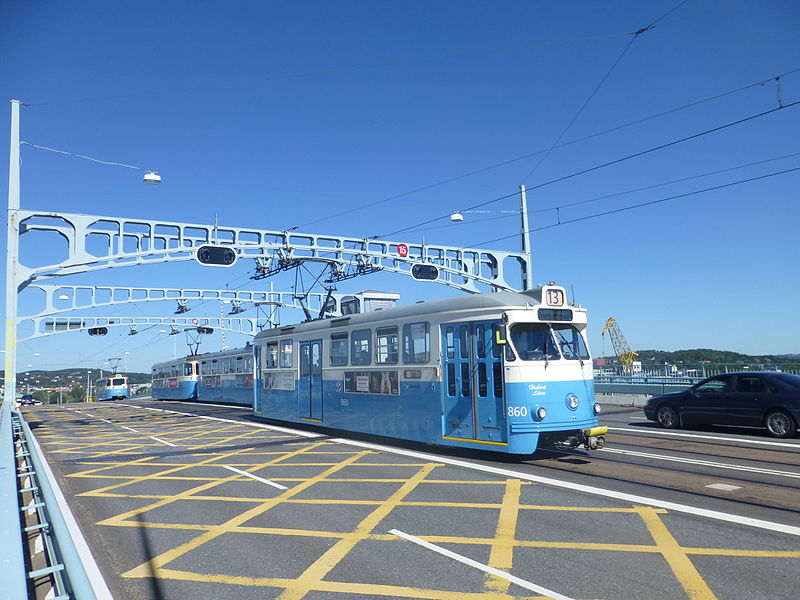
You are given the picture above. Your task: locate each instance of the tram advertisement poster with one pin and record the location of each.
(279, 380)
(211, 381)
(371, 382)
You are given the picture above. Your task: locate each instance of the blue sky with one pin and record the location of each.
(274, 114)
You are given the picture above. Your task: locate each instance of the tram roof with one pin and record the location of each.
(504, 300)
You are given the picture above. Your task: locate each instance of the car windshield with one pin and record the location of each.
(533, 341)
(792, 381)
(571, 342)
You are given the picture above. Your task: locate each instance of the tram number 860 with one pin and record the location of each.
(517, 411)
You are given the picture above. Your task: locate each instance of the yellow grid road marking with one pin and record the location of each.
(501, 546)
(153, 565)
(502, 554)
(313, 575)
(688, 576)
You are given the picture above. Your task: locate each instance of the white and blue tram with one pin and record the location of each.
(114, 387)
(175, 379)
(226, 377)
(500, 371)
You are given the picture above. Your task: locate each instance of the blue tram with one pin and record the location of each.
(114, 387)
(226, 377)
(175, 379)
(501, 371)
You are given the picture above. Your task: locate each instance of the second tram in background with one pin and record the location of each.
(114, 387)
(224, 377)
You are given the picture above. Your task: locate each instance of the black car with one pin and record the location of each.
(756, 399)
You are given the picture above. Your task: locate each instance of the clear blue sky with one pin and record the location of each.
(276, 114)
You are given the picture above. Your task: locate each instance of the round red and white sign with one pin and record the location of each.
(402, 249)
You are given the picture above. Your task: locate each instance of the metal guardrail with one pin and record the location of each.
(12, 558)
(68, 562)
(646, 389)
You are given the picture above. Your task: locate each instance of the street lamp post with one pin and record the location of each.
(12, 250)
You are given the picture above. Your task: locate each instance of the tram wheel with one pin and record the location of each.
(667, 416)
(780, 424)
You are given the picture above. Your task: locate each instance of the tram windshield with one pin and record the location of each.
(534, 341)
(541, 341)
(571, 342)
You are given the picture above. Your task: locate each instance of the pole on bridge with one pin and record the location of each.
(12, 252)
(526, 239)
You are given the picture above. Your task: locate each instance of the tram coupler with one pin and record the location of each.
(594, 437)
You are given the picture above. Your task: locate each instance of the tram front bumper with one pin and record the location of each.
(594, 437)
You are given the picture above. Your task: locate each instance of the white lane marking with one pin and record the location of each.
(543, 591)
(38, 544)
(725, 487)
(129, 428)
(568, 485)
(106, 421)
(706, 437)
(705, 463)
(90, 415)
(162, 441)
(256, 477)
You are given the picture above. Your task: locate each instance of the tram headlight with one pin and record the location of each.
(597, 408)
(541, 413)
(572, 401)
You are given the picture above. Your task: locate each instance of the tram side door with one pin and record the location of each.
(473, 386)
(309, 386)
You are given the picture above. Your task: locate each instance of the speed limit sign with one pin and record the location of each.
(402, 249)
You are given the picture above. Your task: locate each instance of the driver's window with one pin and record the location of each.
(715, 385)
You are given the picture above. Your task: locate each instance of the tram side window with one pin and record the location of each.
(359, 347)
(386, 352)
(239, 364)
(463, 339)
(482, 380)
(465, 379)
(247, 363)
(451, 342)
(338, 349)
(416, 342)
(271, 355)
(497, 379)
(451, 379)
(286, 353)
(187, 369)
(480, 340)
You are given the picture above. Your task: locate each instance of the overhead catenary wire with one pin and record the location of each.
(538, 152)
(643, 204)
(515, 213)
(601, 166)
(635, 35)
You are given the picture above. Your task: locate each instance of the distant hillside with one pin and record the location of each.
(68, 377)
(706, 355)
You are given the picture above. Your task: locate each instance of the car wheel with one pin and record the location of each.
(780, 424)
(667, 416)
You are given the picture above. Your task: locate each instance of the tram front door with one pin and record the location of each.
(473, 383)
(309, 386)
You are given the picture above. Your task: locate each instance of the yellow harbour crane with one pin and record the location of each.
(625, 355)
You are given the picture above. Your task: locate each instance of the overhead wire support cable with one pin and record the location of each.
(600, 166)
(643, 204)
(635, 35)
(532, 154)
